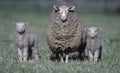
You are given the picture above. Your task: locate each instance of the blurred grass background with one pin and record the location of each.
(100, 13)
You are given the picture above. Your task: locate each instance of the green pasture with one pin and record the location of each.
(38, 21)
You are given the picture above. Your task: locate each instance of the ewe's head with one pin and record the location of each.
(20, 26)
(92, 31)
(63, 11)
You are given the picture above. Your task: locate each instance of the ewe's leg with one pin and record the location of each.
(91, 56)
(83, 50)
(53, 56)
(96, 54)
(61, 57)
(20, 54)
(25, 53)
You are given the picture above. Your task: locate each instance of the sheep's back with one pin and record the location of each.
(32, 40)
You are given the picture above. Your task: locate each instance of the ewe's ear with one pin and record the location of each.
(56, 8)
(98, 29)
(86, 28)
(14, 23)
(71, 8)
(26, 23)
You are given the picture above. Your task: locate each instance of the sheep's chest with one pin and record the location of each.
(92, 44)
(21, 41)
(63, 31)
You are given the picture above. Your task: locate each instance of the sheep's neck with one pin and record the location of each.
(93, 38)
(21, 36)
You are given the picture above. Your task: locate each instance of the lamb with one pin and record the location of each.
(94, 44)
(26, 43)
(65, 34)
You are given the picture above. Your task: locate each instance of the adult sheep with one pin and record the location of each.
(65, 34)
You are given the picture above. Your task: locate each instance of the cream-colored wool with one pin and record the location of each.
(66, 36)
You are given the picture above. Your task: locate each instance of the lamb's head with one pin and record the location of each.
(63, 11)
(20, 26)
(92, 31)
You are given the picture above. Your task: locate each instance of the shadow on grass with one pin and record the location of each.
(73, 57)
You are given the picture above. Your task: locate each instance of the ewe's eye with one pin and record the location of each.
(95, 30)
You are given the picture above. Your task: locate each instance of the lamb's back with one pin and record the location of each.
(33, 39)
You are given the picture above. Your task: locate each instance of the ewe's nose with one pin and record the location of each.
(63, 18)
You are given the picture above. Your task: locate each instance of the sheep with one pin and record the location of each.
(94, 44)
(26, 43)
(65, 34)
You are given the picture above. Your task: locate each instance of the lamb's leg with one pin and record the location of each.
(66, 58)
(35, 52)
(96, 54)
(91, 56)
(30, 52)
(25, 53)
(20, 54)
(100, 53)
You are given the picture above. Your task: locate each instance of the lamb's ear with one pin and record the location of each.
(71, 8)
(56, 8)
(14, 23)
(26, 23)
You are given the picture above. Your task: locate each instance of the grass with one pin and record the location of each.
(109, 31)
